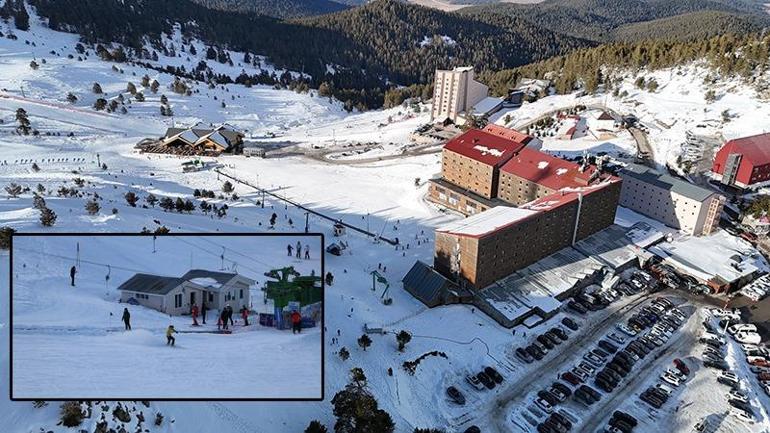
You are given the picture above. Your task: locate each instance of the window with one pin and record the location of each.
(241, 293)
(211, 297)
(178, 301)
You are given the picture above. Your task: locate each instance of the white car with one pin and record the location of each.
(748, 337)
(664, 389)
(742, 415)
(544, 405)
(753, 295)
(737, 396)
(617, 338)
(742, 328)
(672, 380)
(625, 329)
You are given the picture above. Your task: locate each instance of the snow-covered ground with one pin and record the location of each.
(60, 331)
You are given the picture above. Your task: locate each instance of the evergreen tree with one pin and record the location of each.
(97, 88)
(316, 427)
(100, 104)
(403, 338)
(71, 98)
(151, 199)
(47, 217)
(344, 354)
(179, 205)
(131, 88)
(24, 124)
(364, 341)
(13, 189)
(92, 207)
(227, 187)
(131, 198)
(167, 204)
(5, 237)
(357, 410)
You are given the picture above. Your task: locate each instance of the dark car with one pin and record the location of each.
(571, 378)
(625, 417)
(491, 372)
(524, 356)
(719, 365)
(569, 323)
(682, 367)
(472, 429)
(542, 339)
(535, 352)
(594, 393)
(547, 396)
(559, 333)
(486, 380)
(576, 307)
(554, 338)
(603, 385)
(455, 395)
(621, 425)
(583, 397)
(607, 346)
(563, 388)
(561, 419)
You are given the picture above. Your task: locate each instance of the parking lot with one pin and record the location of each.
(757, 313)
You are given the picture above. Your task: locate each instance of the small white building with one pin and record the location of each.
(176, 295)
(672, 201)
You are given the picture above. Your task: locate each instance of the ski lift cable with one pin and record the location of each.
(90, 262)
(215, 254)
(241, 254)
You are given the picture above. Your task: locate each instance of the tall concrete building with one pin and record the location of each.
(455, 92)
(672, 201)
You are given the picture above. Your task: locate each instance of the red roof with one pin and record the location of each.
(546, 170)
(484, 146)
(508, 133)
(755, 148)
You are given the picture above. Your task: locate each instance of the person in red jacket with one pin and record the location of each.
(194, 313)
(296, 322)
(245, 316)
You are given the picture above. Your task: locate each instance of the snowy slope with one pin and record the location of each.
(76, 329)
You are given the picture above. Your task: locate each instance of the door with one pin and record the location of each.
(192, 298)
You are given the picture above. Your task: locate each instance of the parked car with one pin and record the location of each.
(729, 379)
(472, 429)
(547, 396)
(455, 395)
(491, 372)
(682, 366)
(607, 346)
(577, 307)
(559, 333)
(486, 380)
(524, 356)
(544, 405)
(571, 378)
(474, 382)
(534, 352)
(545, 341)
(564, 389)
(569, 323)
(616, 338)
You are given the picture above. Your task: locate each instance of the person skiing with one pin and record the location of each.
(289, 248)
(73, 271)
(307, 252)
(296, 322)
(329, 278)
(245, 315)
(170, 331)
(194, 313)
(299, 250)
(204, 308)
(127, 319)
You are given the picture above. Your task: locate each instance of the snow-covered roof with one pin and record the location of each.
(486, 105)
(487, 221)
(718, 255)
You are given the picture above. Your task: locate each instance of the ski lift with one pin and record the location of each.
(339, 229)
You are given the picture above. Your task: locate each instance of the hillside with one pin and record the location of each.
(276, 8)
(696, 25)
(595, 19)
(589, 68)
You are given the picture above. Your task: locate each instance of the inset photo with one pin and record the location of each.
(167, 317)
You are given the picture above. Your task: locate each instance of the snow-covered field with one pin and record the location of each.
(60, 331)
(378, 196)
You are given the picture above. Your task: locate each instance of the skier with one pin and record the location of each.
(245, 315)
(299, 250)
(329, 278)
(204, 308)
(170, 331)
(194, 313)
(127, 319)
(296, 322)
(307, 252)
(289, 248)
(73, 271)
